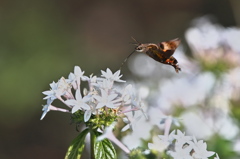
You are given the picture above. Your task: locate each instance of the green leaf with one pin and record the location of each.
(76, 148)
(104, 149)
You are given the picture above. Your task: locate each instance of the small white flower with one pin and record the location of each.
(106, 100)
(158, 144)
(51, 94)
(48, 107)
(200, 149)
(75, 78)
(113, 77)
(181, 153)
(80, 103)
(181, 139)
(57, 89)
(167, 138)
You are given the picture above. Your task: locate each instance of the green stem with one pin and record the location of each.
(92, 140)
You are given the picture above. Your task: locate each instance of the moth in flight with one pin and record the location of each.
(161, 52)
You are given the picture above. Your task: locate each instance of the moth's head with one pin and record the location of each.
(139, 46)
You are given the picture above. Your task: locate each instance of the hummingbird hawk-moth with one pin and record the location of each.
(161, 52)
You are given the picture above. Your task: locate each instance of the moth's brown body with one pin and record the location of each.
(161, 52)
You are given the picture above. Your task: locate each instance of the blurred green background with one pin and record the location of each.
(40, 41)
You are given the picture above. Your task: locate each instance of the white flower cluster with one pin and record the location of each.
(101, 93)
(212, 42)
(180, 146)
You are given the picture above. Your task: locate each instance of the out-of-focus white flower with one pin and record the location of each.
(161, 142)
(224, 124)
(231, 82)
(143, 92)
(196, 124)
(180, 146)
(80, 103)
(109, 135)
(137, 67)
(217, 157)
(167, 138)
(204, 35)
(158, 144)
(231, 37)
(128, 94)
(213, 43)
(181, 138)
(181, 153)
(200, 149)
(185, 91)
(136, 123)
(113, 77)
(236, 146)
(175, 121)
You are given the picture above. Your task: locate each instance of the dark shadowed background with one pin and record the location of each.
(40, 41)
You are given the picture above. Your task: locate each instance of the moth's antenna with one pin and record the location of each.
(136, 42)
(126, 59)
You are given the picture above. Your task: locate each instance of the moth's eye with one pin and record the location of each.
(162, 46)
(138, 48)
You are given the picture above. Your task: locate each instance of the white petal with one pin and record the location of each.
(43, 115)
(87, 115)
(71, 76)
(86, 98)
(78, 71)
(110, 105)
(125, 128)
(71, 102)
(151, 146)
(109, 72)
(47, 92)
(98, 98)
(85, 106)
(103, 93)
(74, 109)
(100, 105)
(104, 74)
(53, 85)
(112, 96)
(78, 95)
